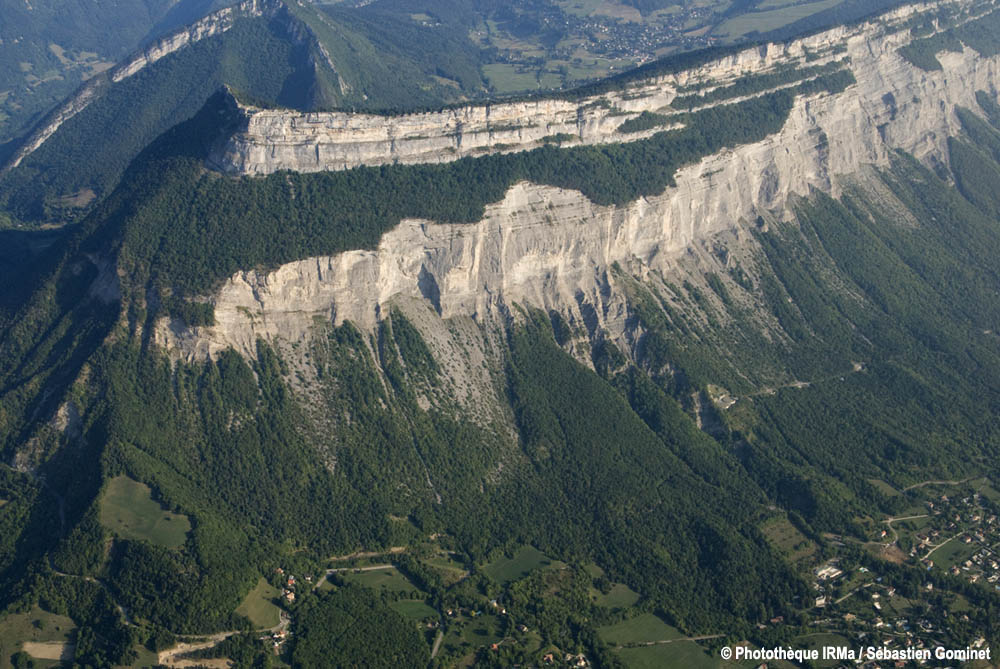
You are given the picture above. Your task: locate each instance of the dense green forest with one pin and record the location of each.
(351, 628)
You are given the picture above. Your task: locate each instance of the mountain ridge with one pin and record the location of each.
(633, 357)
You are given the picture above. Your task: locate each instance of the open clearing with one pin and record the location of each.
(525, 560)
(259, 607)
(787, 540)
(49, 632)
(388, 578)
(620, 596)
(451, 570)
(413, 609)
(49, 650)
(765, 21)
(641, 629)
(679, 655)
(884, 488)
(128, 510)
(953, 552)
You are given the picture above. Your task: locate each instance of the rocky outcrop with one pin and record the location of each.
(554, 249)
(274, 140)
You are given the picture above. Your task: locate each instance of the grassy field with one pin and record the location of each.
(677, 655)
(414, 609)
(505, 78)
(526, 560)
(451, 570)
(787, 540)
(35, 626)
(646, 627)
(989, 492)
(385, 579)
(476, 632)
(259, 607)
(952, 553)
(128, 510)
(738, 26)
(884, 488)
(146, 658)
(620, 596)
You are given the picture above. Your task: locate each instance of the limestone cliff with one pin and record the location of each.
(274, 140)
(554, 249)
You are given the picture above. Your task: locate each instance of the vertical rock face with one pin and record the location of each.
(553, 249)
(274, 140)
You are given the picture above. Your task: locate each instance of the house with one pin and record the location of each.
(828, 572)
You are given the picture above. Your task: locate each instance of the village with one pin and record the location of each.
(912, 589)
(563, 42)
(919, 592)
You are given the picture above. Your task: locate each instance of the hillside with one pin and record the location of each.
(275, 53)
(51, 48)
(625, 367)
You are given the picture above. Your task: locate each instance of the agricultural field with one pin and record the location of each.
(43, 635)
(504, 78)
(740, 26)
(788, 541)
(884, 488)
(644, 628)
(524, 561)
(467, 632)
(259, 607)
(676, 655)
(129, 510)
(620, 596)
(389, 579)
(451, 570)
(954, 552)
(413, 609)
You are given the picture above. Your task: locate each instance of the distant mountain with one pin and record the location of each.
(48, 48)
(274, 53)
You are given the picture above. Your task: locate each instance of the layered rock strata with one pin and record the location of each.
(553, 249)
